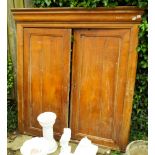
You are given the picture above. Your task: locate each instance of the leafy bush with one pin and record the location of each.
(87, 3)
(10, 77)
(11, 115)
(139, 128)
(11, 105)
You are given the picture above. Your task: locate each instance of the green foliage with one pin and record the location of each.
(74, 3)
(88, 3)
(11, 106)
(10, 77)
(139, 128)
(11, 115)
(139, 124)
(115, 153)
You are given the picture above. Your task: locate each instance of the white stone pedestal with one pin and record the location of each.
(47, 120)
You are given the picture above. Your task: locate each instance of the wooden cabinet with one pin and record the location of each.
(88, 81)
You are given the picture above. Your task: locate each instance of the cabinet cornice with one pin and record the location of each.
(106, 15)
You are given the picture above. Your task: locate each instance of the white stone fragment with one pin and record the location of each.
(136, 17)
(85, 147)
(35, 146)
(64, 142)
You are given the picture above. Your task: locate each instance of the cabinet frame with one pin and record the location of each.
(103, 18)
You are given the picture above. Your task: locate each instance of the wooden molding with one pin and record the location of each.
(82, 15)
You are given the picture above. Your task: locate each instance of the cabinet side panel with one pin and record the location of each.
(131, 77)
(20, 76)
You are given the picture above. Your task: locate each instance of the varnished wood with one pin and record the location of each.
(130, 82)
(103, 69)
(46, 60)
(118, 14)
(100, 61)
(75, 25)
(20, 71)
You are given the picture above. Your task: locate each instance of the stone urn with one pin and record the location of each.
(138, 147)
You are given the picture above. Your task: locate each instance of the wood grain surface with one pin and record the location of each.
(89, 87)
(46, 69)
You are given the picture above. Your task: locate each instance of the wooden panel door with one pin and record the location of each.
(46, 72)
(99, 78)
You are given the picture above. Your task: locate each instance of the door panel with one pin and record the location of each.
(46, 76)
(99, 72)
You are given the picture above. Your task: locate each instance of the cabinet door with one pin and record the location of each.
(99, 86)
(46, 72)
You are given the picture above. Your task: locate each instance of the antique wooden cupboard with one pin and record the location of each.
(80, 64)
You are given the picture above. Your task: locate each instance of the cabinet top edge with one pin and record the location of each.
(65, 14)
(79, 9)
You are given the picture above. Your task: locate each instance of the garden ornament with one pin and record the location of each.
(85, 147)
(35, 146)
(64, 142)
(47, 120)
